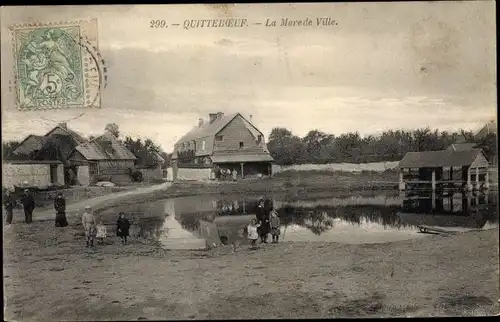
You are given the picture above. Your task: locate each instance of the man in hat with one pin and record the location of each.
(89, 225)
(28, 202)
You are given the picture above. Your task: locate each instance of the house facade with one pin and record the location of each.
(224, 142)
(47, 152)
(32, 173)
(103, 158)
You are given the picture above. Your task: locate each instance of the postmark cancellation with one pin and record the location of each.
(57, 65)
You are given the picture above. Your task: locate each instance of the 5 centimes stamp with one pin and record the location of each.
(57, 65)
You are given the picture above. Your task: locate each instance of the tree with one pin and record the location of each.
(8, 147)
(144, 151)
(113, 128)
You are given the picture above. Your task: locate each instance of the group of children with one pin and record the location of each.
(99, 231)
(255, 225)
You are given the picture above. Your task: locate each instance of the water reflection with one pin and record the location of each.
(355, 219)
(459, 210)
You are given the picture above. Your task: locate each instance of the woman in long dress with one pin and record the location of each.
(263, 218)
(122, 227)
(60, 207)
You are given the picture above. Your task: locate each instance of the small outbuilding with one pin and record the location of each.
(467, 169)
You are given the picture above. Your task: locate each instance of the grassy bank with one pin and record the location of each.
(49, 275)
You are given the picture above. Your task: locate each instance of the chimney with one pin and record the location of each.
(63, 125)
(219, 115)
(200, 122)
(251, 117)
(212, 117)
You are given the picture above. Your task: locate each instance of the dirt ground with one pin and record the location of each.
(50, 275)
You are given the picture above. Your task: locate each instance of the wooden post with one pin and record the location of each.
(401, 182)
(451, 173)
(469, 184)
(477, 178)
(242, 173)
(433, 196)
(433, 179)
(487, 179)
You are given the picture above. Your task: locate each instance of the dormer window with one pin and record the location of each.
(259, 138)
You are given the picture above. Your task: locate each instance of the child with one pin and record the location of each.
(275, 226)
(252, 233)
(101, 232)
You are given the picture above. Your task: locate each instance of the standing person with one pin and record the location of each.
(252, 233)
(275, 225)
(122, 227)
(89, 224)
(235, 175)
(101, 232)
(28, 202)
(8, 203)
(60, 207)
(263, 218)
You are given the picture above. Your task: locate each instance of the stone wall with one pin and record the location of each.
(193, 174)
(150, 174)
(74, 194)
(35, 174)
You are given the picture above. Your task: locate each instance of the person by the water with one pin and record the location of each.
(275, 225)
(8, 204)
(122, 227)
(252, 233)
(263, 220)
(89, 224)
(101, 232)
(60, 207)
(28, 202)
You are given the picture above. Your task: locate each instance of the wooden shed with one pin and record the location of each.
(439, 170)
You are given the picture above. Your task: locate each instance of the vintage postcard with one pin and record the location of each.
(249, 161)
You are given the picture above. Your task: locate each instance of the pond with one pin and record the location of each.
(197, 221)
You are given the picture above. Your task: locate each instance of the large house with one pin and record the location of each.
(224, 142)
(103, 158)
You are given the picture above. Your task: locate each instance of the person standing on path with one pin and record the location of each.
(60, 207)
(8, 203)
(263, 219)
(275, 226)
(122, 227)
(89, 225)
(253, 235)
(28, 202)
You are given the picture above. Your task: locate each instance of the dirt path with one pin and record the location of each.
(71, 209)
(49, 275)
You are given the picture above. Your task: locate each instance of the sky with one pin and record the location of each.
(383, 66)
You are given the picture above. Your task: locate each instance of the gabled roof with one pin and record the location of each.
(76, 136)
(207, 129)
(488, 128)
(96, 149)
(434, 159)
(462, 146)
(38, 140)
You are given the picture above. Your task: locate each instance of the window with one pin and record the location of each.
(203, 145)
(241, 145)
(218, 138)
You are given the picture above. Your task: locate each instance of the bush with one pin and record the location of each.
(135, 174)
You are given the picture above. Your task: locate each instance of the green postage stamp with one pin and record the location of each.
(57, 65)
